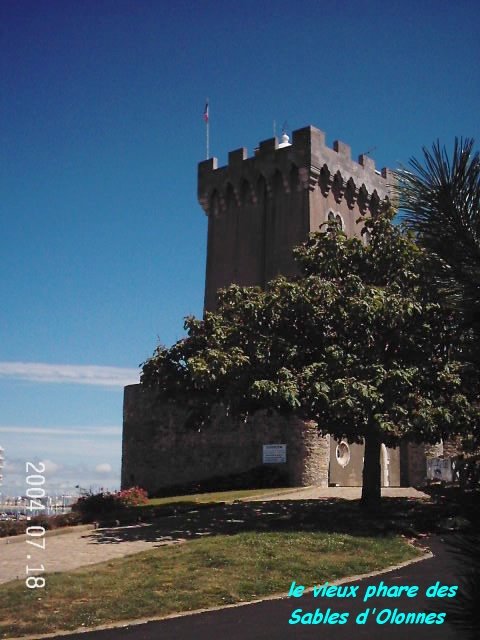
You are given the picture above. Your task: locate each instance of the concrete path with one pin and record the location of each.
(68, 550)
(345, 493)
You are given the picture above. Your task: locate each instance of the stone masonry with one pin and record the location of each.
(160, 450)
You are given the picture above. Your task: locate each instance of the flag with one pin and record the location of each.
(205, 112)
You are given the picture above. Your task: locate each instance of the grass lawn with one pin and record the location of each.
(218, 496)
(199, 574)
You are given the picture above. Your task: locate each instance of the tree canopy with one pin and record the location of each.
(440, 195)
(358, 343)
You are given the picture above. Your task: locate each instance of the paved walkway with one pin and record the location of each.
(73, 549)
(346, 493)
(83, 546)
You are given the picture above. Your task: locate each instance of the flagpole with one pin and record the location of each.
(207, 127)
(208, 138)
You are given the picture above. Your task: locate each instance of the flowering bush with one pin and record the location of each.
(132, 497)
(107, 502)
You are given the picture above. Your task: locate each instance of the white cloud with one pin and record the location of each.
(69, 373)
(14, 466)
(50, 466)
(64, 431)
(66, 478)
(103, 468)
(96, 444)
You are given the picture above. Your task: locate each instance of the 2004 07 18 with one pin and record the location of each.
(35, 533)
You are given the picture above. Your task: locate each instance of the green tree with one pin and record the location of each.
(357, 343)
(440, 195)
(441, 199)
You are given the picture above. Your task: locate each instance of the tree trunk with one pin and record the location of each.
(371, 494)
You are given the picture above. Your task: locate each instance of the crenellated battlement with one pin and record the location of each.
(305, 164)
(259, 208)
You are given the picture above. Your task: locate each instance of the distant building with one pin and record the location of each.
(258, 209)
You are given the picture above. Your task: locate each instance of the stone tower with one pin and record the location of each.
(259, 208)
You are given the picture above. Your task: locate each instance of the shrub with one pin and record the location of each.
(133, 497)
(66, 519)
(93, 504)
(42, 520)
(12, 527)
(17, 527)
(105, 503)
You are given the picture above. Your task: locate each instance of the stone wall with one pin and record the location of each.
(452, 447)
(160, 451)
(413, 464)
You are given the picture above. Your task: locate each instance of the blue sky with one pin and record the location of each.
(103, 243)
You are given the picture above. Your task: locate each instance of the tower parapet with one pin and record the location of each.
(260, 207)
(318, 166)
